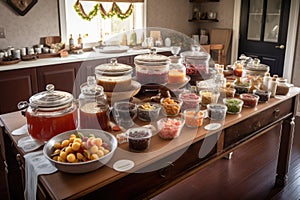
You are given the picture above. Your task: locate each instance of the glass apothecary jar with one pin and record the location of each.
(283, 87)
(152, 68)
(93, 106)
(114, 76)
(196, 59)
(50, 113)
(177, 72)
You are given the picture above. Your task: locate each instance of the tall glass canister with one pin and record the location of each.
(93, 106)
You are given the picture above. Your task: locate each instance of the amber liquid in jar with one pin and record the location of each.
(44, 128)
(94, 117)
(114, 85)
(176, 76)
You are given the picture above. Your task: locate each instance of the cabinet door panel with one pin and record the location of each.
(16, 86)
(61, 76)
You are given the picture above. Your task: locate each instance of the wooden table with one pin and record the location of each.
(165, 163)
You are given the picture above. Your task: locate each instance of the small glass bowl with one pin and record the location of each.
(234, 105)
(171, 106)
(241, 88)
(250, 100)
(189, 100)
(264, 96)
(148, 111)
(138, 138)
(170, 128)
(193, 120)
(227, 92)
(216, 111)
(208, 97)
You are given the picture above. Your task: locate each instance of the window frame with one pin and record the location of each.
(63, 21)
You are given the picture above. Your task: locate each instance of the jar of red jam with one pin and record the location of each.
(49, 113)
(238, 68)
(93, 106)
(152, 68)
(196, 59)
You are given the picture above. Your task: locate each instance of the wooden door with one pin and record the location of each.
(263, 31)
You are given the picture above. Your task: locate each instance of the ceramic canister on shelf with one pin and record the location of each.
(23, 51)
(16, 54)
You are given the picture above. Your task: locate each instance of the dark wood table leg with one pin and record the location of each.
(287, 135)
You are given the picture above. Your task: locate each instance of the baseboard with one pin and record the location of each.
(298, 114)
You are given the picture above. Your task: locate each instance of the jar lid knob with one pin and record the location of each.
(195, 48)
(50, 87)
(114, 61)
(153, 51)
(91, 81)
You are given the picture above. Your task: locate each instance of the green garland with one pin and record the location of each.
(115, 10)
(79, 9)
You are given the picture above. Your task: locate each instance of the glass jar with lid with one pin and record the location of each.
(49, 113)
(177, 72)
(283, 87)
(114, 76)
(196, 59)
(93, 106)
(152, 68)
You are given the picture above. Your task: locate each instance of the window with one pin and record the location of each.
(92, 31)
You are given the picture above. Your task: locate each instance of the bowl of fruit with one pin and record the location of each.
(80, 151)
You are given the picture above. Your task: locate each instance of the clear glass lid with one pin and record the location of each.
(90, 87)
(50, 98)
(113, 68)
(151, 59)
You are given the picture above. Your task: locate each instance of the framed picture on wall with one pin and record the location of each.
(22, 6)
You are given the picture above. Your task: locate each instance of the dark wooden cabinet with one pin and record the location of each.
(15, 86)
(61, 76)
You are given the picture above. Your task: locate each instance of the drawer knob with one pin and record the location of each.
(276, 112)
(257, 125)
(164, 171)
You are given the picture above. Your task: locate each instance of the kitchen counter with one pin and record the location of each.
(29, 77)
(86, 56)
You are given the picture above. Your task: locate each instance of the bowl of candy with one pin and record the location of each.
(170, 128)
(171, 106)
(80, 151)
(148, 111)
(138, 138)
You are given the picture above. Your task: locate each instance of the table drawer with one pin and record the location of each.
(137, 185)
(246, 128)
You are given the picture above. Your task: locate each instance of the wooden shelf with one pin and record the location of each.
(203, 20)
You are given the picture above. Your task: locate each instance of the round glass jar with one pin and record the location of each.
(113, 76)
(50, 113)
(93, 106)
(152, 68)
(196, 59)
(177, 72)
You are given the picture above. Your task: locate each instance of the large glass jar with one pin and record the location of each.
(177, 72)
(93, 106)
(152, 68)
(114, 76)
(197, 64)
(50, 113)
